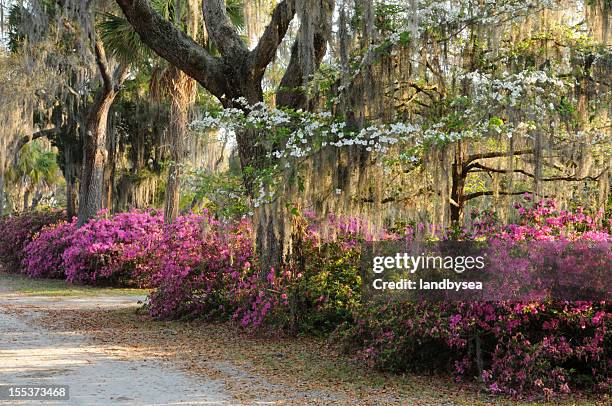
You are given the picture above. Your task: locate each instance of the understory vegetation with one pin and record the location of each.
(201, 268)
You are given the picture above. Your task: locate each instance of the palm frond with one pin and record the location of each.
(235, 12)
(121, 40)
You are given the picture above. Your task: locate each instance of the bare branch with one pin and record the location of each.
(271, 38)
(49, 133)
(571, 178)
(477, 165)
(491, 193)
(496, 154)
(384, 200)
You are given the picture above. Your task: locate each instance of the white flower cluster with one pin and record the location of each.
(529, 86)
(377, 138)
(263, 196)
(306, 131)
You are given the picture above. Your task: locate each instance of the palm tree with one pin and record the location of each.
(170, 83)
(36, 168)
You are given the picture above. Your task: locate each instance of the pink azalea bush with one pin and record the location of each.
(544, 221)
(114, 250)
(205, 268)
(541, 347)
(18, 230)
(514, 348)
(43, 255)
(198, 267)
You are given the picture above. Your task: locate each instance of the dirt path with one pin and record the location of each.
(32, 355)
(81, 340)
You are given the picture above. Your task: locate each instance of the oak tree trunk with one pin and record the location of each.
(72, 154)
(459, 175)
(92, 188)
(457, 194)
(1, 192)
(94, 158)
(26, 199)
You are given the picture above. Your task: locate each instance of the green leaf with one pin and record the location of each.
(495, 122)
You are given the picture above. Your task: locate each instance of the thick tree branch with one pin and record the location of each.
(291, 92)
(496, 154)
(49, 133)
(175, 46)
(531, 175)
(119, 76)
(491, 193)
(107, 80)
(271, 38)
(221, 31)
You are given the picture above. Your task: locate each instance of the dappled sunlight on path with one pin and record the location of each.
(30, 355)
(73, 302)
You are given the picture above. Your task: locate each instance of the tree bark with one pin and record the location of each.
(26, 199)
(457, 196)
(237, 73)
(176, 47)
(72, 152)
(95, 154)
(291, 92)
(459, 175)
(71, 198)
(36, 199)
(1, 192)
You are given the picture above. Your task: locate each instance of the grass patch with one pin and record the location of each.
(22, 285)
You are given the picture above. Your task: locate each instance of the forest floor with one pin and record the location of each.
(102, 344)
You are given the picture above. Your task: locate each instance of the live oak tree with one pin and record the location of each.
(170, 83)
(47, 106)
(237, 72)
(74, 119)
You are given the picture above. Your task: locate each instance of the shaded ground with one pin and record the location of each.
(107, 349)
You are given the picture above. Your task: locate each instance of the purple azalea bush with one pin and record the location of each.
(114, 250)
(18, 230)
(43, 256)
(198, 266)
(527, 347)
(515, 348)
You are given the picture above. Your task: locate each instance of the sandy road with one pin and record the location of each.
(32, 355)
